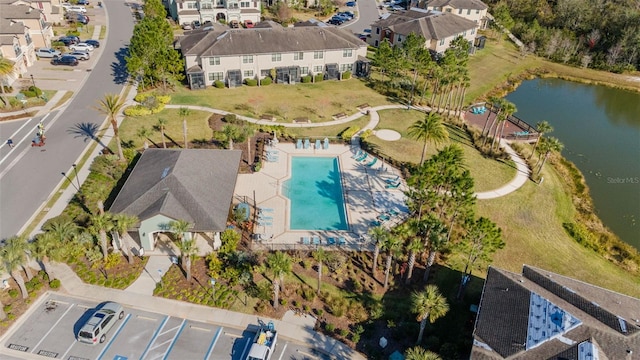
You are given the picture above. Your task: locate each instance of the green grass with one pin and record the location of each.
(488, 174)
(332, 130)
(318, 101)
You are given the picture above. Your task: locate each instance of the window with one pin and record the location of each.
(318, 68)
(247, 59)
(459, 11)
(28, 38)
(248, 73)
(276, 57)
(318, 55)
(469, 12)
(191, 5)
(448, 10)
(106, 321)
(244, 4)
(473, 31)
(304, 70)
(214, 60)
(377, 30)
(477, 11)
(214, 76)
(464, 33)
(265, 73)
(346, 67)
(206, 6)
(347, 53)
(298, 55)
(17, 50)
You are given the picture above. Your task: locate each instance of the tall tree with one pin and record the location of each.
(101, 224)
(14, 258)
(431, 128)
(429, 305)
(543, 127)
(143, 133)
(382, 57)
(280, 264)
(320, 256)
(549, 145)
(184, 112)
(46, 248)
(508, 109)
(162, 124)
(419, 353)
(414, 247)
(391, 245)
(482, 239)
(111, 105)
(186, 244)
(229, 134)
(6, 68)
(122, 223)
(378, 235)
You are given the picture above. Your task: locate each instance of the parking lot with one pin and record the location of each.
(51, 330)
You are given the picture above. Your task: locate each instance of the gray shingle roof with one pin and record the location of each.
(19, 11)
(8, 27)
(459, 4)
(502, 316)
(431, 25)
(195, 185)
(268, 40)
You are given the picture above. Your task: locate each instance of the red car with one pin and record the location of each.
(248, 24)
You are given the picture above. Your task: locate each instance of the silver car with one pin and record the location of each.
(47, 53)
(97, 327)
(80, 55)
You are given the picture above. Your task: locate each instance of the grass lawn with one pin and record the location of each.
(317, 102)
(330, 131)
(488, 174)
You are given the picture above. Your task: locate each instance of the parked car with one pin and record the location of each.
(335, 21)
(248, 24)
(47, 53)
(66, 5)
(196, 24)
(96, 328)
(69, 40)
(65, 60)
(351, 4)
(83, 2)
(81, 47)
(186, 26)
(77, 8)
(348, 14)
(94, 43)
(345, 18)
(80, 55)
(77, 17)
(234, 24)
(397, 8)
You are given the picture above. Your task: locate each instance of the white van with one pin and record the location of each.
(77, 8)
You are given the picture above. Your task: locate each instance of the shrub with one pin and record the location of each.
(29, 93)
(251, 82)
(365, 134)
(306, 308)
(318, 77)
(54, 284)
(283, 302)
(266, 81)
(35, 90)
(319, 312)
(8, 89)
(137, 110)
(112, 260)
(13, 293)
(306, 79)
(7, 308)
(346, 75)
(218, 84)
(349, 132)
(344, 332)
(329, 327)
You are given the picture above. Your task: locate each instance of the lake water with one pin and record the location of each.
(600, 130)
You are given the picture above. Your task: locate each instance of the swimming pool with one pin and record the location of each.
(315, 191)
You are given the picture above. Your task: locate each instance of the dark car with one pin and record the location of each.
(69, 40)
(65, 60)
(83, 2)
(94, 43)
(335, 21)
(351, 4)
(347, 14)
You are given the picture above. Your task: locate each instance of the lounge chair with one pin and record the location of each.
(376, 223)
(316, 239)
(325, 144)
(373, 162)
(306, 240)
(264, 223)
(299, 144)
(393, 212)
(383, 217)
(393, 186)
(264, 209)
(331, 241)
(273, 152)
(307, 144)
(358, 154)
(318, 146)
(392, 180)
(342, 241)
(362, 157)
(263, 217)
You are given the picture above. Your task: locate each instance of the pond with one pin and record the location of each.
(600, 129)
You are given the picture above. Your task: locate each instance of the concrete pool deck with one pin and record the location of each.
(363, 187)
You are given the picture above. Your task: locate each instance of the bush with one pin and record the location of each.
(218, 84)
(344, 332)
(8, 89)
(266, 81)
(346, 75)
(283, 302)
(251, 82)
(349, 132)
(29, 93)
(318, 77)
(13, 293)
(306, 79)
(329, 327)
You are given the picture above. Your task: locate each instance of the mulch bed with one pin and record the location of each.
(15, 306)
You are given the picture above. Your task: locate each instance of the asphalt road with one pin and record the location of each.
(29, 175)
(367, 14)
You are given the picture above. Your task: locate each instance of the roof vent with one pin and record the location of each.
(165, 172)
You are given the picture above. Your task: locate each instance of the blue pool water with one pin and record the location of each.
(315, 191)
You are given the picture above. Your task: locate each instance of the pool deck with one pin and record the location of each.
(363, 187)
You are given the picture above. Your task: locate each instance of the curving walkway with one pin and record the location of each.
(522, 170)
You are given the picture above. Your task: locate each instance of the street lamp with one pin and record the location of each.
(66, 177)
(33, 81)
(213, 288)
(75, 170)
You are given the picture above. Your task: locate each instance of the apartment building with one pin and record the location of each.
(224, 11)
(474, 10)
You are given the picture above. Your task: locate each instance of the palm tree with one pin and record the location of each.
(14, 257)
(438, 237)
(101, 224)
(495, 101)
(429, 129)
(184, 112)
(378, 234)
(391, 245)
(3, 314)
(143, 133)
(508, 108)
(321, 256)
(280, 265)
(6, 68)
(419, 353)
(162, 123)
(414, 247)
(249, 131)
(111, 105)
(63, 229)
(122, 224)
(187, 247)
(543, 127)
(230, 133)
(549, 145)
(428, 305)
(45, 248)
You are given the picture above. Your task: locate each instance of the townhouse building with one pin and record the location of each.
(474, 10)
(223, 11)
(438, 28)
(287, 54)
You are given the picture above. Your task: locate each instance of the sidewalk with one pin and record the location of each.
(297, 329)
(522, 175)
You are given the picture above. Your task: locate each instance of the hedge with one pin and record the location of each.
(346, 75)
(266, 81)
(349, 132)
(251, 82)
(318, 78)
(306, 79)
(218, 84)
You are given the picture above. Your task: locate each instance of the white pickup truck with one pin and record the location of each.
(264, 343)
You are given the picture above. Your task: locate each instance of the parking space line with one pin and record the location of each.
(115, 335)
(155, 335)
(50, 330)
(283, 349)
(161, 344)
(245, 348)
(199, 328)
(233, 335)
(170, 330)
(146, 318)
(306, 354)
(213, 343)
(184, 322)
